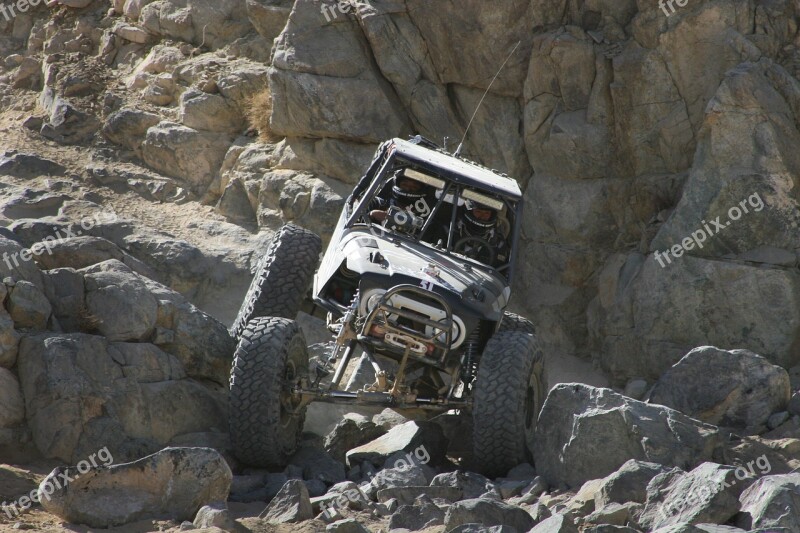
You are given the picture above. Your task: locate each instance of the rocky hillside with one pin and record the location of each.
(150, 148)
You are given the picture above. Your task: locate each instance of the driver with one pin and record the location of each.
(407, 194)
(476, 230)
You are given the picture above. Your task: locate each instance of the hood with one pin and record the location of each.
(407, 262)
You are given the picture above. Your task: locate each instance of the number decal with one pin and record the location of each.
(427, 285)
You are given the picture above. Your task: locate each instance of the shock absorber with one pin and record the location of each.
(472, 356)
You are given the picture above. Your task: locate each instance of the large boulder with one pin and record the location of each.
(12, 405)
(732, 388)
(660, 314)
(771, 502)
(628, 484)
(707, 494)
(209, 22)
(420, 442)
(129, 126)
(28, 306)
(185, 153)
(120, 302)
(352, 431)
(592, 432)
(488, 513)
(83, 392)
(291, 504)
(173, 483)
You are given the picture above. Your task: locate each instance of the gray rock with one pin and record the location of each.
(120, 302)
(182, 152)
(612, 514)
(608, 528)
(24, 165)
(480, 528)
(777, 419)
(12, 405)
(268, 20)
(423, 440)
(28, 306)
(771, 502)
(592, 432)
(472, 485)
(316, 464)
(707, 494)
(794, 404)
(209, 112)
(422, 515)
(202, 343)
(701, 528)
(530, 494)
(351, 432)
(745, 391)
(509, 488)
(488, 513)
(628, 484)
(147, 402)
(173, 483)
(412, 476)
(344, 495)
(291, 504)
(348, 525)
(9, 338)
(558, 523)
(407, 495)
(388, 419)
(66, 124)
(215, 515)
(128, 127)
(525, 471)
(636, 389)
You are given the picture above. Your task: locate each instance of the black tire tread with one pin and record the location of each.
(499, 398)
(282, 278)
(515, 322)
(256, 383)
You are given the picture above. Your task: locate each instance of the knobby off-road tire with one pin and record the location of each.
(282, 278)
(507, 398)
(515, 322)
(265, 424)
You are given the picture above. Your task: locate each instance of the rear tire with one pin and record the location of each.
(265, 423)
(282, 278)
(507, 398)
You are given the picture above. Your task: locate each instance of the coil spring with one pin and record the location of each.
(472, 356)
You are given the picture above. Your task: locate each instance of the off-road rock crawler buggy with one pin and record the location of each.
(424, 303)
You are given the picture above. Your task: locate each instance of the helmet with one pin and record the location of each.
(407, 191)
(479, 220)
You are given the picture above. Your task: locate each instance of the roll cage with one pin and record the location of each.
(460, 180)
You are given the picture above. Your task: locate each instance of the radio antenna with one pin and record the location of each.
(461, 145)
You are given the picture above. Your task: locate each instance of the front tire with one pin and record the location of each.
(515, 322)
(265, 419)
(507, 398)
(282, 278)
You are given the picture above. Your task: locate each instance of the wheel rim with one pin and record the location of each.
(532, 402)
(532, 407)
(289, 402)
